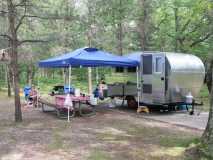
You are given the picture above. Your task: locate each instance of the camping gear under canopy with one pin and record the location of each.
(88, 57)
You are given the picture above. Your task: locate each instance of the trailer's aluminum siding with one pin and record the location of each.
(185, 74)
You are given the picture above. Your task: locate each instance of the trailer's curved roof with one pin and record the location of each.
(178, 61)
(185, 62)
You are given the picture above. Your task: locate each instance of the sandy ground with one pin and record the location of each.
(110, 134)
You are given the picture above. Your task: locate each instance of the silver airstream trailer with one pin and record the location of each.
(165, 79)
(170, 78)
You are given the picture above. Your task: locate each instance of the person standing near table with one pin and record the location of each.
(102, 89)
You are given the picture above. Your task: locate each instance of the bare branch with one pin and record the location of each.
(3, 13)
(201, 39)
(22, 3)
(22, 18)
(157, 27)
(6, 36)
(170, 35)
(32, 41)
(48, 17)
(197, 26)
(185, 25)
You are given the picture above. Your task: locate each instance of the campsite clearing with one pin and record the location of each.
(105, 136)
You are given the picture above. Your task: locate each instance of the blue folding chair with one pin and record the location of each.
(27, 90)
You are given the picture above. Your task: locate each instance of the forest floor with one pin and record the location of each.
(108, 135)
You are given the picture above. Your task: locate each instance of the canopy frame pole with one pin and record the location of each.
(97, 75)
(38, 94)
(138, 93)
(68, 114)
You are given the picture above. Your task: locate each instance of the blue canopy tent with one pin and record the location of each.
(136, 56)
(88, 57)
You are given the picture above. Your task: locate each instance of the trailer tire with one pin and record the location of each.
(131, 102)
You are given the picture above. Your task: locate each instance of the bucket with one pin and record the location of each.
(93, 100)
(189, 98)
(77, 92)
(112, 104)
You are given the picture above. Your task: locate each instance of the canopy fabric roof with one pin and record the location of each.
(136, 56)
(88, 57)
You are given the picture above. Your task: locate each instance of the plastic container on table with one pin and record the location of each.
(67, 90)
(93, 100)
(77, 92)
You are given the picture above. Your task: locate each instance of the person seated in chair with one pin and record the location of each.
(96, 91)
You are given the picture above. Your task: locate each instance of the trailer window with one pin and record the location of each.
(147, 88)
(147, 64)
(158, 64)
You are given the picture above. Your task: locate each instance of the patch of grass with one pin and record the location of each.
(204, 97)
(204, 93)
(159, 153)
(56, 143)
(170, 141)
(99, 155)
(106, 136)
(115, 139)
(58, 138)
(3, 94)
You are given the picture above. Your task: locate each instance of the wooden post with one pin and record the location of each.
(97, 75)
(90, 80)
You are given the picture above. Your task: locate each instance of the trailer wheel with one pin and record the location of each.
(131, 102)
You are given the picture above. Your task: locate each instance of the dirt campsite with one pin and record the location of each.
(109, 134)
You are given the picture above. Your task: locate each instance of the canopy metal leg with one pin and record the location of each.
(90, 81)
(138, 93)
(68, 115)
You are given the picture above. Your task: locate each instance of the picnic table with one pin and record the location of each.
(62, 110)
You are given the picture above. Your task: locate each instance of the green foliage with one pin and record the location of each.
(99, 155)
(67, 25)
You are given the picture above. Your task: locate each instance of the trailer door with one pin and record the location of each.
(158, 80)
(146, 78)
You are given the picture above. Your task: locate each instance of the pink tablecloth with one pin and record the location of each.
(60, 99)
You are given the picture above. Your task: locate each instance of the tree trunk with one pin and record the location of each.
(8, 73)
(14, 58)
(176, 26)
(207, 138)
(143, 23)
(119, 30)
(30, 74)
(120, 38)
(209, 76)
